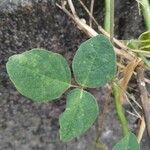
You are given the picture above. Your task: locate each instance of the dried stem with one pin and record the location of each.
(144, 97)
(91, 32)
(72, 7)
(141, 129)
(91, 11)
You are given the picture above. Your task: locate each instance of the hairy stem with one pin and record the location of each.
(119, 109)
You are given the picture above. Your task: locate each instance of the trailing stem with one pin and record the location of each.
(109, 27)
(119, 108)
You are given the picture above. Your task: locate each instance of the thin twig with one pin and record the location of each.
(133, 108)
(128, 72)
(133, 99)
(91, 32)
(144, 97)
(120, 44)
(91, 11)
(147, 80)
(132, 114)
(72, 7)
(87, 29)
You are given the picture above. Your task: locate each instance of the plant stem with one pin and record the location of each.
(119, 109)
(112, 20)
(146, 12)
(109, 27)
(109, 18)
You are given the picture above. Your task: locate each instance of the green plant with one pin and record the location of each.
(119, 108)
(145, 5)
(140, 45)
(128, 60)
(44, 76)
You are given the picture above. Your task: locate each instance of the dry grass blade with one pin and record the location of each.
(83, 26)
(141, 129)
(134, 100)
(72, 7)
(144, 97)
(147, 80)
(91, 11)
(132, 114)
(136, 112)
(128, 72)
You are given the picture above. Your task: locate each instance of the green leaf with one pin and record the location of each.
(81, 112)
(145, 48)
(39, 74)
(94, 63)
(129, 142)
(145, 41)
(145, 36)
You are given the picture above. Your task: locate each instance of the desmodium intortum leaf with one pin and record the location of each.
(39, 74)
(81, 112)
(145, 41)
(94, 63)
(129, 142)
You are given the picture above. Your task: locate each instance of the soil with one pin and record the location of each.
(26, 125)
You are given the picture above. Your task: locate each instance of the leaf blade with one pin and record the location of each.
(94, 63)
(129, 142)
(39, 74)
(144, 39)
(81, 112)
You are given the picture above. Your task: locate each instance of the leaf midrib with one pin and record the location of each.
(36, 73)
(89, 70)
(75, 112)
